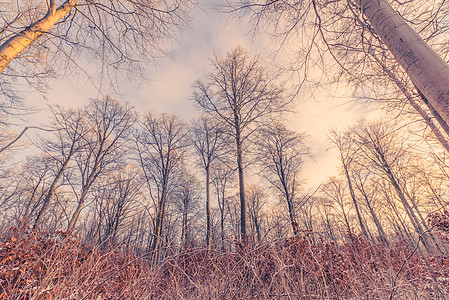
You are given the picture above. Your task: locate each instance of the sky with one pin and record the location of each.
(169, 88)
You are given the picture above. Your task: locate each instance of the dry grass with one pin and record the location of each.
(35, 265)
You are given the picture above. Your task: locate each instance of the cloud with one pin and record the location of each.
(170, 86)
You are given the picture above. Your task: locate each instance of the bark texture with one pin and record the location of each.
(428, 71)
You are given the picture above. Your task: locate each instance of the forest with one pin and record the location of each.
(104, 200)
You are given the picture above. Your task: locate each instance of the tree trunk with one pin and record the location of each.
(89, 181)
(222, 210)
(222, 230)
(241, 187)
(404, 230)
(208, 226)
(348, 226)
(159, 221)
(184, 228)
(257, 226)
(354, 199)
(77, 211)
(380, 230)
(18, 42)
(414, 103)
(443, 124)
(50, 193)
(30, 200)
(93, 175)
(428, 71)
(428, 232)
(408, 209)
(291, 212)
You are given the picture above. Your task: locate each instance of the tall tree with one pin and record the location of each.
(281, 153)
(381, 145)
(116, 202)
(187, 202)
(25, 195)
(335, 190)
(110, 124)
(256, 201)
(222, 177)
(240, 93)
(70, 131)
(161, 143)
(427, 70)
(208, 141)
(363, 181)
(347, 149)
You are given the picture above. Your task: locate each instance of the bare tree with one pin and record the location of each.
(415, 98)
(110, 123)
(222, 178)
(118, 32)
(335, 190)
(381, 145)
(281, 153)
(22, 190)
(347, 149)
(70, 130)
(116, 202)
(240, 93)
(368, 189)
(354, 33)
(161, 143)
(428, 71)
(187, 201)
(256, 201)
(208, 141)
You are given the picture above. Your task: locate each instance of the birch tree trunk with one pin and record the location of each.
(428, 71)
(18, 42)
(441, 137)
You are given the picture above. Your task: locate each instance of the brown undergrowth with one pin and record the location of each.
(39, 265)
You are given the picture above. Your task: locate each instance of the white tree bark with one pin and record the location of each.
(18, 42)
(428, 71)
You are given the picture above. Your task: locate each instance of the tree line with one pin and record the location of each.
(154, 182)
(120, 177)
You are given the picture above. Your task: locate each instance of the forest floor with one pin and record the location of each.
(39, 265)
